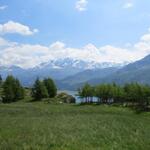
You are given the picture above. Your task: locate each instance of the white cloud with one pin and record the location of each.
(128, 5)
(15, 27)
(146, 37)
(57, 45)
(24, 55)
(3, 7)
(28, 56)
(81, 5)
(5, 43)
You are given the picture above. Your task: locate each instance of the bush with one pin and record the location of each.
(65, 98)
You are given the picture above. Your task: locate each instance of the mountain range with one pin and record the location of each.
(71, 74)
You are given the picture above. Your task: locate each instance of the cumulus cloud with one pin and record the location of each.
(5, 43)
(57, 45)
(28, 56)
(3, 7)
(15, 27)
(146, 37)
(81, 5)
(24, 55)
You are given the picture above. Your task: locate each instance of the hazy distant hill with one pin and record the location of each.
(74, 81)
(135, 72)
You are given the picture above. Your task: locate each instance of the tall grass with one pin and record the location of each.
(40, 126)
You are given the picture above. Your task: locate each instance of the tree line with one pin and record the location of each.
(12, 90)
(133, 94)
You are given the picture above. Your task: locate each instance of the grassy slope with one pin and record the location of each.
(43, 126)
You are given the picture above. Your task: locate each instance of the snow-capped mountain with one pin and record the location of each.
(57, 69)
(80, 64)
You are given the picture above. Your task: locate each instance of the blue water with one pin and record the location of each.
(74, 94)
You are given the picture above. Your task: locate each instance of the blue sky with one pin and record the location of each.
(77, 23)
(104, 21)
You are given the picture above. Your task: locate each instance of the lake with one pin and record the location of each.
(74, 94)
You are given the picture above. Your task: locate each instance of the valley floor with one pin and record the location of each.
(42, 126)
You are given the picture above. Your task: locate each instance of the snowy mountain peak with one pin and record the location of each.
(79, 64)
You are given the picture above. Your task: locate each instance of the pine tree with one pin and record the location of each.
(19, 90)
(12, 90)
(8, 89)
(51, 87)
(1, 80)
(39, 90)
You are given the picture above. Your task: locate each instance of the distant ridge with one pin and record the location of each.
(138, 71)
(59, 69)
(71, 74)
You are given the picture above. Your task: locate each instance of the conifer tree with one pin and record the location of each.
(19, 90)
(39, 90)
(51, 87)
(1, 80)
(8, 89)
(12, 90)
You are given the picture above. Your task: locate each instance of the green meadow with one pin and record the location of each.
(45, 126)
